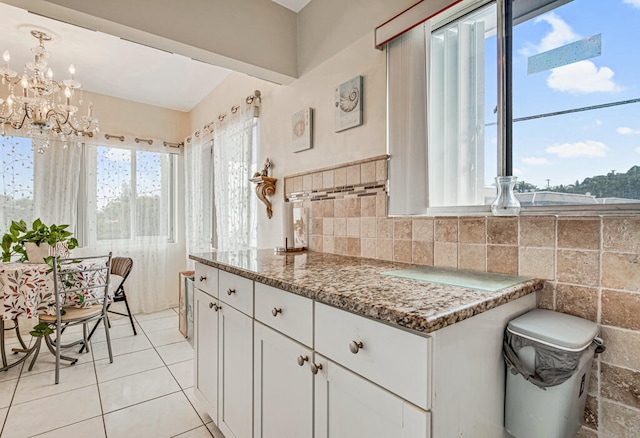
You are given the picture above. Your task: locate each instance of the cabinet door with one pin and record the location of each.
(283, 401)
(206, 349)
(235, 396)
(346, 405)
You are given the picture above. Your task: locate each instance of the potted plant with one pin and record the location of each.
(38, 244)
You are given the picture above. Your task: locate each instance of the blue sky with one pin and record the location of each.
(572, 147)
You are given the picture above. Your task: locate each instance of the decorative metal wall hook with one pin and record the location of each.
(234, 109)
(144, 140)
(256, 95)
(172, 145)
(221, 117)
(118, 137)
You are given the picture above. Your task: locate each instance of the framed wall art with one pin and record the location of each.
(348, 102)
(302, 130)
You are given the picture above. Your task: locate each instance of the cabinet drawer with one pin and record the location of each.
(206, 279)
(392, 358)
(286, 312)
(236, 291)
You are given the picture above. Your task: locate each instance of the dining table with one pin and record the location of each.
(27, 290)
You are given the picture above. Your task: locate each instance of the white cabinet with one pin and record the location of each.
(206, 346)
(283, 402)
(346, 405)
(235, 365)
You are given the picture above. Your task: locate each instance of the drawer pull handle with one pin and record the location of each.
(275, 311)
(302, 360)
(214, 306)
(354, 347)
(315, 368)
(203, 277)
(231, 291)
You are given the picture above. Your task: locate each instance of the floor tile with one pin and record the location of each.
(154, 325)
(11, 373)
(121, 346)
(47, 361)
(149, 316)
(6, 392)
(93, 428)
(61, 410)
(127, 364)
(197, 405)
(137, 388)
(115, 332)
(200, 432)
(31, 387)
(183, 372)
(162, 417)
(3, 415)
(165, 337)
(174, 353)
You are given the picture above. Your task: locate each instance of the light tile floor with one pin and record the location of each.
(146, 392)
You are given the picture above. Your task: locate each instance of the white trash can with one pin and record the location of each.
(548, 356)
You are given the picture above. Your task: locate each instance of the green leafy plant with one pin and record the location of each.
(39, 233)
(42, 329)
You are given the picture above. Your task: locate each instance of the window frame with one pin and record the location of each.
(505, 117)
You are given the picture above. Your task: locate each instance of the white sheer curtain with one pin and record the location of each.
(130, 211)
(198, 175)
(16, 181)
(456, 111)
(56, 183)
(234, 150)
(407, 130)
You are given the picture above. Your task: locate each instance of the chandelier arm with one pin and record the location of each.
(19, 125)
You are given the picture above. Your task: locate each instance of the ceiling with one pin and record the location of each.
(112, 66)
(294, 5)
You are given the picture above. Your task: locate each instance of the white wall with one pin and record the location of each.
(316, 90)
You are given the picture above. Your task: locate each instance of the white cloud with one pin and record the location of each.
(536, 161)
(598, 122)
(118, 155)
(517, 171)
(634, 3)
(589, 149)
(582, 77)
(559, 35)
(625, 130)
(637, 150)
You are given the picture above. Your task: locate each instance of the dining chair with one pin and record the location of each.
(81, 287)
(120, 270)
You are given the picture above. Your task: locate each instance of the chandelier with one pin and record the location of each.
(39, 106)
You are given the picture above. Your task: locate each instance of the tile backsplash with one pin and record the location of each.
(591, 264)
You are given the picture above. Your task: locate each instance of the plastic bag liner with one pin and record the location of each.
(552, 365)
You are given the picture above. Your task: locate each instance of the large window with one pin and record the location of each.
(572, 133)
(133, 194)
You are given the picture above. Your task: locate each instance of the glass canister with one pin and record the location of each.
(506, 203)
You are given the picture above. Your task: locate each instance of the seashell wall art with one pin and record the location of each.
(348, 104)
(302, 130)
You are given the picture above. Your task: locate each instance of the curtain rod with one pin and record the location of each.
(145, 140)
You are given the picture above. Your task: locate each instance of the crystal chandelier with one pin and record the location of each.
(41, 107)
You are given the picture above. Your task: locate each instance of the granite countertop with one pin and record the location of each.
(357, 285)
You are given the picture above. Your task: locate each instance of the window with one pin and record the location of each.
(131, 194)
(560, 112)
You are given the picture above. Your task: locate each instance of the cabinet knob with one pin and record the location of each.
(275, 311)
(315, 368)
(203, 277)
(214, 306)
(302, 360)
(355, 346)
(231, 291)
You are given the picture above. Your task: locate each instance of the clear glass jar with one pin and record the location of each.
(506, 203)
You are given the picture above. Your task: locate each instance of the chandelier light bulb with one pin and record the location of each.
(72, 70)
(6, 56)
(24, 82)
(50, 73)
